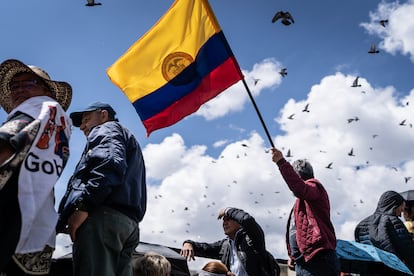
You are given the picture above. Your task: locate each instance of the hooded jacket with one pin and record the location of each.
(386, 231)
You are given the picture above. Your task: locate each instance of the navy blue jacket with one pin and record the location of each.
(111, 172)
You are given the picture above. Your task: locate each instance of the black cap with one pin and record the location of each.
(77, 116)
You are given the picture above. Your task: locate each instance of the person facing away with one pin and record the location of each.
(106, 196)
(215, 268)
(310, 235)
(385, 230)
(34, 149)
(151, 264)
(243, 251)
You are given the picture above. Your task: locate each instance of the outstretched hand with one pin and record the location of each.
(187, 251)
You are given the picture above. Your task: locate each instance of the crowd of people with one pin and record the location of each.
(106, 198)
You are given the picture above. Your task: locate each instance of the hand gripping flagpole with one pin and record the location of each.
(258, 113)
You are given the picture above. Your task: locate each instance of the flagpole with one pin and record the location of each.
(258, 113)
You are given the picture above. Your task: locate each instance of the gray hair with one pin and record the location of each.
(303, 168)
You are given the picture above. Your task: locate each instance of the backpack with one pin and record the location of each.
(270, 266)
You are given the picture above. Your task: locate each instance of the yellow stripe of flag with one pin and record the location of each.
(185, 27)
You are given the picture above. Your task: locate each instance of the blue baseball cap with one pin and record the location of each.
(77, 116)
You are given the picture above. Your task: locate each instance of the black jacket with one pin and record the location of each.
(386, 231)
(249, 243)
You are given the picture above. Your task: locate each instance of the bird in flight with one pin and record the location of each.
(383, 22)
(350, 120)
(355, 83)
(402, 123)
(329, 166)
(351, 152)
(283, 72)
(92, 3)
(291, 116)
(373, 49)
(306, 108)
(286, 17)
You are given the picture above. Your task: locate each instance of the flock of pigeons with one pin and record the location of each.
(287, 19)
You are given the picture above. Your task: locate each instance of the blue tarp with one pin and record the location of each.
(367, 258)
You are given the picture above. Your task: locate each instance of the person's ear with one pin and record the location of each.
(105, 115)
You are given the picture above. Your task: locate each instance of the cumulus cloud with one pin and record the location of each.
(235, 97)
(398, 35)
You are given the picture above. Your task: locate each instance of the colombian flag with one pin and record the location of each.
(182, 62)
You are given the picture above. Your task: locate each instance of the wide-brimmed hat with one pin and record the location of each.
(61, 91)
(77, 116)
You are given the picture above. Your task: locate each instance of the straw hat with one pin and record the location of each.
(62, 91)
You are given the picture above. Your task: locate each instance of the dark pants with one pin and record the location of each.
(105, 243)
(10, 222)
(324, 263)
(12, 269)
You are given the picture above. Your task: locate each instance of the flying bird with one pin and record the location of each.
(306, 108)
(402, 123)
(92, 3)
(256, 81)
(286, 17)
(351, 152)
(383, 22)
(291, 116)
(355, 83)
(373, 49)
(329, 166)
(283, 72)
(350, 120)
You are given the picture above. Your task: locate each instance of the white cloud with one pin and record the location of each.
(398, 35)
(220, 143)
(234, 98)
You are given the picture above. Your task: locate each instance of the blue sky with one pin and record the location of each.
(200, 164)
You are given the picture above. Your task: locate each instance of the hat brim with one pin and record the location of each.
(62, 91)
(77, 116)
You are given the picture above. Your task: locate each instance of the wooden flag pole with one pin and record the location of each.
(258, 113)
